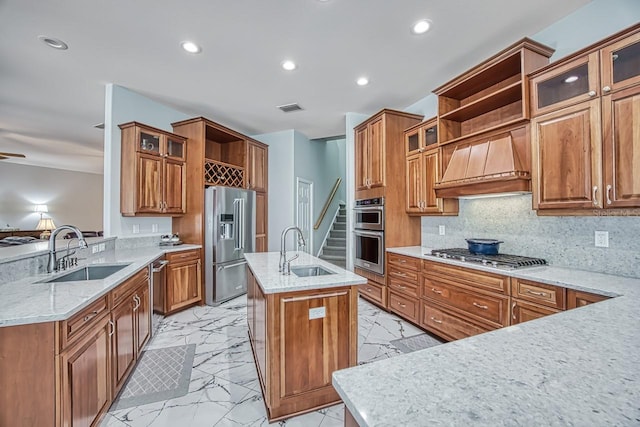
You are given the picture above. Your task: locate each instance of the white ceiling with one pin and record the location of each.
(50, 100)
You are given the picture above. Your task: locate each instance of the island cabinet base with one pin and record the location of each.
(299, 339)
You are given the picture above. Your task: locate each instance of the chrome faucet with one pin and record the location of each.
(284, 266)
(51, 265)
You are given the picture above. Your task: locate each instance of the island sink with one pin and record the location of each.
(91, 272)
(310, 270)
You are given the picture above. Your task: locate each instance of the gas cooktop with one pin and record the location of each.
(499, 260)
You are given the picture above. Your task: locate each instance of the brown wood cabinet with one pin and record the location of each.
(298, 340)
(532, 300)
(375, 290)
(182, 281)
(403, 284)
(423, 171)
(522, 311)
(584, 130)
(153, 172)
(257, 166)
(577, 299)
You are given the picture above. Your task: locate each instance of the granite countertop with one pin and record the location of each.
(577, 367)
(27, 301)
(265, 268)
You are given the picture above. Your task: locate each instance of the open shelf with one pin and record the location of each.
(505, 124)
(490, 102)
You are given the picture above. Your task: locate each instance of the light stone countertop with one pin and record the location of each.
(265, 268)
(26, 301)
(579, 367)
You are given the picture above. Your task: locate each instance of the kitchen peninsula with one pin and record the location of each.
(303, 327)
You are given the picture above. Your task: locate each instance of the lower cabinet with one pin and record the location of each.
(375, 290)
(299, 339)
(67, 373)
(577, 299)
(440, 321)
(182, 282)
(522, 311)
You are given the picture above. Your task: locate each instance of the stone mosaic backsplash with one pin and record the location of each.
(562, 241)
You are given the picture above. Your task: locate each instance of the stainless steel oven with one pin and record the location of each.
(369, 214)
(369, 234)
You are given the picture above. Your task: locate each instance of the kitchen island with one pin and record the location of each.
(302, 329)
(577, 367)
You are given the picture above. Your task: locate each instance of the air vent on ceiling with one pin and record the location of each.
(289, 108)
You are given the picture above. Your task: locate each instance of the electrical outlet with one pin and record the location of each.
(136, 228)
(441, 230)
(602, 239)
(154, 228)
(102, 247)
(95, 249)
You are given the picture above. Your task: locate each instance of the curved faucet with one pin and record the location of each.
(284, 265)
(51, 265)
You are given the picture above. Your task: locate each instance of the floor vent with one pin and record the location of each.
(289, 108)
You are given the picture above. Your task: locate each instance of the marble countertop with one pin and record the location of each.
(265, 267)
(577, 367)
(27, 301)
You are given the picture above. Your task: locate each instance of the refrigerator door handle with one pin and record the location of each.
(242, 221)
(236, 223)
(235, 264)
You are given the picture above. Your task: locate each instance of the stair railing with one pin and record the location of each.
(327, 203)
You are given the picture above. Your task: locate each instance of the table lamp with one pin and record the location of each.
(45, 224)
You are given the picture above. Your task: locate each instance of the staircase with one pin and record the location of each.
(335, 247)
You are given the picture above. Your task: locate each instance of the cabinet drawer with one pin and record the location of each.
(404, 306)
(405, 275)
(522, 311)
(75, 326)
(405, 288)
(494, 309)
(374, 292)
(402, 261)
(473, 278)
(183, 255)
(540, 293)
(438, 320)
(121, 292)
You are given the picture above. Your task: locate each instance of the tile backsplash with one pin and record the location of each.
(562, 241)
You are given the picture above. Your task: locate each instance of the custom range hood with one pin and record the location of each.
(494, 164)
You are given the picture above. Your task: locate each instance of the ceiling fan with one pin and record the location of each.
(4, 156)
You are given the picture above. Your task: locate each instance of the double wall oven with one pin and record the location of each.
(369, 234)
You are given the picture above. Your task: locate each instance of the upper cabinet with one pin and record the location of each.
(256, 166)
(423, 170)
(478, 114)
(153, 173)
(584, 133)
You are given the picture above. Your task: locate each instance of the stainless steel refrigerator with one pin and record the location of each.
(230, 219)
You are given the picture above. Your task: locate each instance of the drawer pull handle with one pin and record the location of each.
(609, 194)
(402, 305)
(90, 316)
(369, 289)
(540, 294)
(402, 261)
(513, 310)
(400, 274)
(402, 287)
(436, 320)
(434, 290)
(113, 328)
(484, 307)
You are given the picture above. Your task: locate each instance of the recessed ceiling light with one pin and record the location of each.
(191, 47)
(571, 79)
(54, 43)
(421, 27)
(362, 81)
(289, 65)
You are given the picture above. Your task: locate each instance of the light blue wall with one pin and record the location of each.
(281, 183)
(123, 105)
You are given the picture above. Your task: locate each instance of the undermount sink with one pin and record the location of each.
(310, 270)
(91, 272)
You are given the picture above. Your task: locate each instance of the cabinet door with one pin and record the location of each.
(183, 284)
(621, 113)
(174, 187)
(149, 142)
(143, 317)
(85, 377)
(375, 164)
(257, 167)
(261, 222)
(362, 155)
(577, 299)
(566, 161)
(414, 196)
(430, 175)
(522, 311)
(621, 64)
(149, 184)
(124, 345)
(176, 149)
(572, 83)
(412, 143)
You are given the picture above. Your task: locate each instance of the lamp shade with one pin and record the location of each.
(41, 209)
(46, 224)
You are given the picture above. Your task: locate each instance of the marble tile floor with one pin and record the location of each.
(224, 389)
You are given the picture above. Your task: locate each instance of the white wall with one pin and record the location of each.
(121, 106)
(72, 197)
(281, 184)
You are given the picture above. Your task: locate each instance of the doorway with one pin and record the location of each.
(304, 210)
